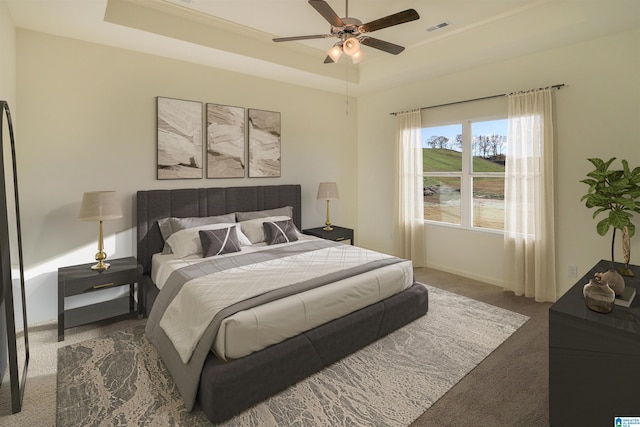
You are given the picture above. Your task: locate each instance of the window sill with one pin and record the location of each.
(460, 227)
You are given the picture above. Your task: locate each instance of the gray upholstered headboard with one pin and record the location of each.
(153, 205)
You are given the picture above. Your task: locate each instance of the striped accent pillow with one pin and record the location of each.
(280, 232)
(218, 242)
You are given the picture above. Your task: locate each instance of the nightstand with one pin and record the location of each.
(337, 234)
(81, 279)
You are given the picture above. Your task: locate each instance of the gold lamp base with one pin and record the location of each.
(101, 254)
(328, 221)
(101, 265)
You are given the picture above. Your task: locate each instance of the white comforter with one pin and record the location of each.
(251, 330)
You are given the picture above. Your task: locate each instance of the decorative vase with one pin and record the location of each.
(599, 296)
(613, 279)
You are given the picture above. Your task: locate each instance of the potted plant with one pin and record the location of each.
(616, 193)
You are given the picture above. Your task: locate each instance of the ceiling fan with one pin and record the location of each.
(352, 32)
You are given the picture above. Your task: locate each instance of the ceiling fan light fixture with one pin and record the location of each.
(335, 52)
(351, 46)
(352, 31)
(357, 57)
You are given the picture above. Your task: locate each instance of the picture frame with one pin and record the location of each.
(264, 144)
(179, 137)
(225, 149)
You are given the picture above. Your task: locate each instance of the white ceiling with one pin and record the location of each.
(236, 34)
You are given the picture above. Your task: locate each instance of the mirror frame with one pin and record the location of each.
(17, 382)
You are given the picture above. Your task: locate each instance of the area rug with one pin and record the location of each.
(119, 379)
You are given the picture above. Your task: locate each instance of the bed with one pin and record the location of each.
(228, 383)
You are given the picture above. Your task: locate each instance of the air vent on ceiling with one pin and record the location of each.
(439, 26)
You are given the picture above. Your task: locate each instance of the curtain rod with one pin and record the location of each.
(558, 86)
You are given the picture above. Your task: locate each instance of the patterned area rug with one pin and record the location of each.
(119, 379)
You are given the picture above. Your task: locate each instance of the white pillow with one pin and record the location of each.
(187, 242)
(283, 211)
(254, 229)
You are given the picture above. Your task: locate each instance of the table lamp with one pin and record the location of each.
(100, 206)
(328, 191)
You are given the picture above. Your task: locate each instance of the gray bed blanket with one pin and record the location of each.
(187, 375)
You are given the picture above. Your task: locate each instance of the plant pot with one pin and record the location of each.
(599, 297)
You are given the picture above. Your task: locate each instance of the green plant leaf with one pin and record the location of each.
(597, 175)
(597, 200)
(596, 162)
(616, 191)
(608, 163)
(599, 211)
(619, 219)
(603, 226)
(627, 203)
(590, 182)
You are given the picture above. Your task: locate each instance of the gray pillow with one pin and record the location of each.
(284, 211)
(280, 232)
(218, 242)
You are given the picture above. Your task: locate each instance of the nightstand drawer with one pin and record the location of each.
(97, 281)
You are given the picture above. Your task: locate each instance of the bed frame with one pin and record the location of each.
(228, 388)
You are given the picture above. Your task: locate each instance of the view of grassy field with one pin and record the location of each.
(446, 160)
(442, 194)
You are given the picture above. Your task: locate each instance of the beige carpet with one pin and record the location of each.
(511, 386)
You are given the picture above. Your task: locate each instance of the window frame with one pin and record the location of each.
(467, 174)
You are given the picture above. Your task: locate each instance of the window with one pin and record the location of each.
(463, 166)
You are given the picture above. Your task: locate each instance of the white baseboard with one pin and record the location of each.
(468, 274)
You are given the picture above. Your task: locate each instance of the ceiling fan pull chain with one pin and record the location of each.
(346, 80)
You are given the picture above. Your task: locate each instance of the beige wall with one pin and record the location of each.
(88, 122)
(7, 58)
(597, 115)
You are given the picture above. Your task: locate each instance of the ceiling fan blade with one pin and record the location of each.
(391, 20)
(328, 60)
(391, 48)
(325, 10)
(288, 39)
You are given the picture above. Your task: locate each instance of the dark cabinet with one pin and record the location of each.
(594, 358)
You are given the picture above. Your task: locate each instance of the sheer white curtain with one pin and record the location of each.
(529, 220)
(409, 202)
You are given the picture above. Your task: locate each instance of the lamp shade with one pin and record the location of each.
(357, 57)
(351, 46)
(327, 191)
(99, 206)
(335, 52)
